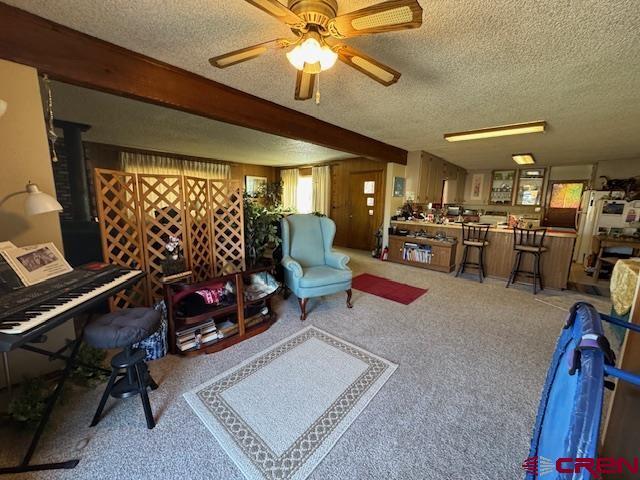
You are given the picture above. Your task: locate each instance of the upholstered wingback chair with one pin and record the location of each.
(311, 267)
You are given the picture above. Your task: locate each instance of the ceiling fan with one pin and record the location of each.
(316, 28)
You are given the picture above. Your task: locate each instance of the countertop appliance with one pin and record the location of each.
(493, 219)
(453, 210)
(604, 212)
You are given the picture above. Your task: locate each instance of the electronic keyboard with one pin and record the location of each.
(29, 307)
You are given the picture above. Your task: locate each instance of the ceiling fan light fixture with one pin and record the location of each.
(310, 52)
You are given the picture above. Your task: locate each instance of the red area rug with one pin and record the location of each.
(382, 287)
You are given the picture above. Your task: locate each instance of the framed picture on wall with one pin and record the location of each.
(254, 185)
(399, 184)
(476, 186)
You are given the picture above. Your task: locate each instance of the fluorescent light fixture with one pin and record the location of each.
(523, 158)
(504, 130)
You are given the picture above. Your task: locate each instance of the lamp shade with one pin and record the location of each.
(38, 202)
(3, 107)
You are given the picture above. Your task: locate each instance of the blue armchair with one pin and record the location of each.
(311, 267)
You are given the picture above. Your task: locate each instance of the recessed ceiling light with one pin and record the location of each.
(504, 130)
(523, 158)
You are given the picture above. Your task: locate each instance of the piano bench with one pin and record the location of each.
(129, 373)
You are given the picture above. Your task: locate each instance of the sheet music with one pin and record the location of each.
(35, 263)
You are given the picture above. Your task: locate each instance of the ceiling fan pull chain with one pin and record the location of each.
(318, 89)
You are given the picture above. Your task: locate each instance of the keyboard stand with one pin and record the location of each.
(22, 341)
(25, 465)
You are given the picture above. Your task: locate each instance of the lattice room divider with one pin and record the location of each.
(138, 212)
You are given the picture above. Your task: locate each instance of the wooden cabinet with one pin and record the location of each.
(433, 171)
(437, 254)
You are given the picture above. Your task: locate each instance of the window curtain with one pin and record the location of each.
(289, 188)
(161, 165)
(321, 189)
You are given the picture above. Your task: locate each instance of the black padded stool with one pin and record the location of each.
(474, 235)
(528, 241)
(122, 329)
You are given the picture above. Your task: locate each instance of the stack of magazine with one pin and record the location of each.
(194, 337)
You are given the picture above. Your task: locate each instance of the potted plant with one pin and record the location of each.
(260, 229)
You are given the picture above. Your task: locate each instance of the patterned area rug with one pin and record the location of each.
(278, 414)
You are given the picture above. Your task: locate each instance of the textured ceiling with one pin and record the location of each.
(130, 123)
(473, 64)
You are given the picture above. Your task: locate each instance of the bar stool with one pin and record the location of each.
(474, 235)
(528, 241)
(122, 329)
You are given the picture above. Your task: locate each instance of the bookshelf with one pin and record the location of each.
(235, 319)
(423, 252)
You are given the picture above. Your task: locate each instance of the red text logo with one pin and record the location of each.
(595, 466)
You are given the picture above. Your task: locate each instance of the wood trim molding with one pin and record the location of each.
(74, 57)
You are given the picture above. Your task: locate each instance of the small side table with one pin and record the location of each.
(601, 242)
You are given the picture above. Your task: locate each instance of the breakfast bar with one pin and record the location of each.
(499, 254)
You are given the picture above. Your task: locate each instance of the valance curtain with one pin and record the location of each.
(321, 189)
(289, 188)
(161, 165)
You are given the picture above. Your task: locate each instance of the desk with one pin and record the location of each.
(600, 242)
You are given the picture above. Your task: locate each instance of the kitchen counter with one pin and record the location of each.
(499, 254)
(551, 232)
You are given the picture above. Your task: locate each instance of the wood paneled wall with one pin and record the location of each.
(101, 155)
(238, 171)
(340, 171)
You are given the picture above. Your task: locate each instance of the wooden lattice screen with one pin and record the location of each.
(199, 227)
(138, 212)
(161, 199)
(227, 221)
(119, 216)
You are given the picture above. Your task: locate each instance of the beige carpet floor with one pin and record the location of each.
(472, 359)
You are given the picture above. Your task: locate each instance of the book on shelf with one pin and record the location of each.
(198, 341)
(189, 338)
(176, 276)
(417, 253)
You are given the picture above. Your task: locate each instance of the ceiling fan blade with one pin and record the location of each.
(384, 17)
(244, 54)
(278, 10)
(372, 68)
(305, 83)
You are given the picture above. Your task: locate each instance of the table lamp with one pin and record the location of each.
(37, 202)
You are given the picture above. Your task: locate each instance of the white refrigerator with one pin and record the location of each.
(599, 212)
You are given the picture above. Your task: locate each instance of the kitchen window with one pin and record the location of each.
(305, 194)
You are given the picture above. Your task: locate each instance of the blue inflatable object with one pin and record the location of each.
(568, 421)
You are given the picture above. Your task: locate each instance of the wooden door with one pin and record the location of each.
(365, 208)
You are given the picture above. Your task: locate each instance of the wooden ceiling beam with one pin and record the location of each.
(74, 57)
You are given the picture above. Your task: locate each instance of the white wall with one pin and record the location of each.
(571, 172)
(24, 156)
(617, 169)
(391, 203)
